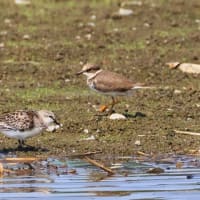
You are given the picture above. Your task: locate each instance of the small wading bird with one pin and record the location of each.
(23, 124)
(108, 83)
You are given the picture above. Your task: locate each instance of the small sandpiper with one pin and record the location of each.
(23, 124)
(108, 83)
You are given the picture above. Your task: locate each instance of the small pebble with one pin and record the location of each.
(22, 2)
(7, 21)
(2, 45)
(197, 21)
(67, 80)
(117, 116)
(146, 25)
(86, 131)
(177, 92)
(88, 36)
(78, 37)
(137, 142)
(92, 24)
(93, 17)
(125, 12)
(26, 37)
(53, 128)
(3, 33)
(89, 138)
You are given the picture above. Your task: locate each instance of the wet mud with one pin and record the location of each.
(42, 46)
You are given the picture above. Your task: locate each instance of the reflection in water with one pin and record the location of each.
(130, 182)
(112, 193)
(24, 190)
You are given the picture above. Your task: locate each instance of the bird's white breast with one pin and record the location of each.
(22, 134)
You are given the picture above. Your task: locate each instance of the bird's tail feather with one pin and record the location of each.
(142, 86)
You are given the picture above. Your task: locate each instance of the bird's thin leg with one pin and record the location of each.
(104, 107)
(112, 105)
(27, 145)
(114, 101)
(23, 145)
(20, 144)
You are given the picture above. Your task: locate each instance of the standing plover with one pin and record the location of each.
(108, 83)
(23, 124)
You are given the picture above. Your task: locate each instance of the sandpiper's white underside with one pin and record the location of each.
(22, 135)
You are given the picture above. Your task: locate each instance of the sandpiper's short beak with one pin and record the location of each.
(56, 122)
(80, 72)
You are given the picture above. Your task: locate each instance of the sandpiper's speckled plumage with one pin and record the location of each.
(23, 124)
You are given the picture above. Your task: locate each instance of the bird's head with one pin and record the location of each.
(89, 69)
(48, 118)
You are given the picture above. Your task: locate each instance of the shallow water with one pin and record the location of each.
(130, 182)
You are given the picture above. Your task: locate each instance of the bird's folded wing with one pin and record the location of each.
(6, 127)
(13, 121)
(108, 81)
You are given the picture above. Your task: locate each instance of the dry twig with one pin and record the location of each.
(84, 154)
(16, 160)
(100, 165)
(142, 153)
(187, 133)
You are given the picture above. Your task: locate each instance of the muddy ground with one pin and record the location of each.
(42, 46)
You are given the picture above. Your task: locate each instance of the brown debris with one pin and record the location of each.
(100, 165)
(1, 170)
(85, 154)
(156, 170)
(72, 171)
(142, 153)
(179, 165)
(21, 160)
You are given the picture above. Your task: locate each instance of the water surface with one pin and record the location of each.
(130, 182)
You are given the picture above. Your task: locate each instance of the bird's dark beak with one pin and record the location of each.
(80, 72)
(56, 122)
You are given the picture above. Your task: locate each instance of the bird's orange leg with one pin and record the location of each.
(104, 107)
(114, 101)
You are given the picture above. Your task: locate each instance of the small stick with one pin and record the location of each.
(2, 170)
(85, 154)
(142, 153)
(97, 164)
(187, 132)
(16, 160)
(8, 170)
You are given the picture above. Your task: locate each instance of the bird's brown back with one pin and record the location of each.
(107, 81)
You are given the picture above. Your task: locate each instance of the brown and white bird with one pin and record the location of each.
(23, 124)
(108, 83)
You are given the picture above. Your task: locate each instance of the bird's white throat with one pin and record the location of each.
(91, 75)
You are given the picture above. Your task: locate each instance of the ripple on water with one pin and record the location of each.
(130, 182)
